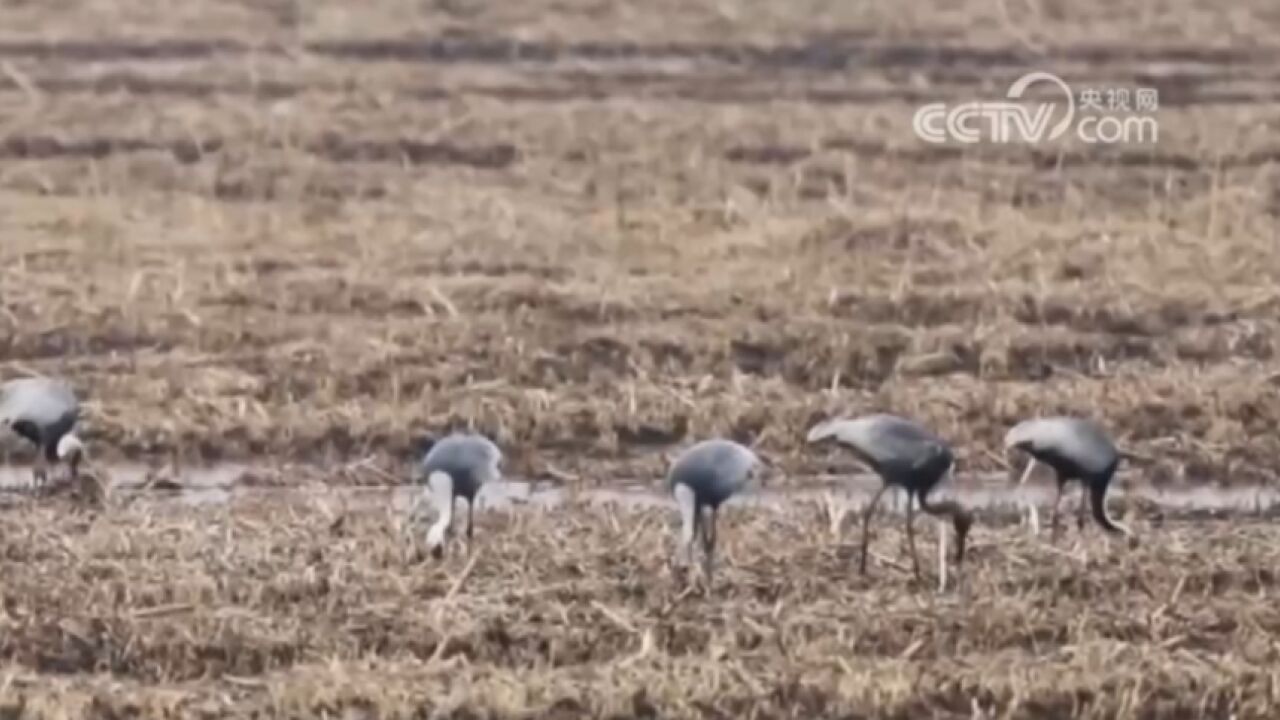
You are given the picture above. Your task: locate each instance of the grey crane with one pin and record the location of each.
(903, 454)
(702, 478)
(1076, 449)
(455, 467)
(44, 411)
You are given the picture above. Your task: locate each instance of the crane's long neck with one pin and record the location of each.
(1098, 503)
(688, 504)
(441, 485)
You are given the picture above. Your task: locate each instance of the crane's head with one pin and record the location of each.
(71, 451)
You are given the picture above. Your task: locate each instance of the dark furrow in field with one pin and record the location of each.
(826, 55)
(330, 146)
(1176, 91)
(499, 154)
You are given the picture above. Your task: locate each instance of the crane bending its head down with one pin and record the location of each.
(702, 478)
(44, 411)
(905, 454)
(1076, 449)
(456, 467)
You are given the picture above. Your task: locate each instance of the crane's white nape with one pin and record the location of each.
(70, 448)
(687, 502)
(440, 486)
(1032, 514)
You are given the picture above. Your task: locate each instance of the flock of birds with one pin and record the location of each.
(902, 452)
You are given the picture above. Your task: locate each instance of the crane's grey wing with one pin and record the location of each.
(43, 402)
(884, 441)
(909, 445)
(1088, 443)
(1080, 442)
(471, 460)
(714, 469)
(855, 434)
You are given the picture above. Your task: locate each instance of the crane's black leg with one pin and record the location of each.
(40, 474)
(1084, 501)
(471, 521)
(1057, 503)
(911, 534)
(709, 530)
(866, 525)
(709, 542)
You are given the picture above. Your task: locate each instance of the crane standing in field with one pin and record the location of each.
(455, 467)
(1076, 449)
(909, 456)
(701, 479)
(44, 411)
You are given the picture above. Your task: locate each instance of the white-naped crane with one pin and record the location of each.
(44, 411)
(702, 478)
(456, 467)
(907, 455)
(1076, 449)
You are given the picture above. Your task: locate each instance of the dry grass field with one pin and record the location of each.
(276, 232)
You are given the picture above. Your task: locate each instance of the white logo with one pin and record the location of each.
(1009, 121)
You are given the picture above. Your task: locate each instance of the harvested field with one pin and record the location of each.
(310, 603)
(300, 235)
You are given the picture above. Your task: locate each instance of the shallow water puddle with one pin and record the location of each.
(218, 484)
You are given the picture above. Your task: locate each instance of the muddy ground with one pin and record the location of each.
(304, 234)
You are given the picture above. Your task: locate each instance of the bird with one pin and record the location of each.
(907, 455)
(1076, 449)
(456, 466)
(44, 411)
(702, 478)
